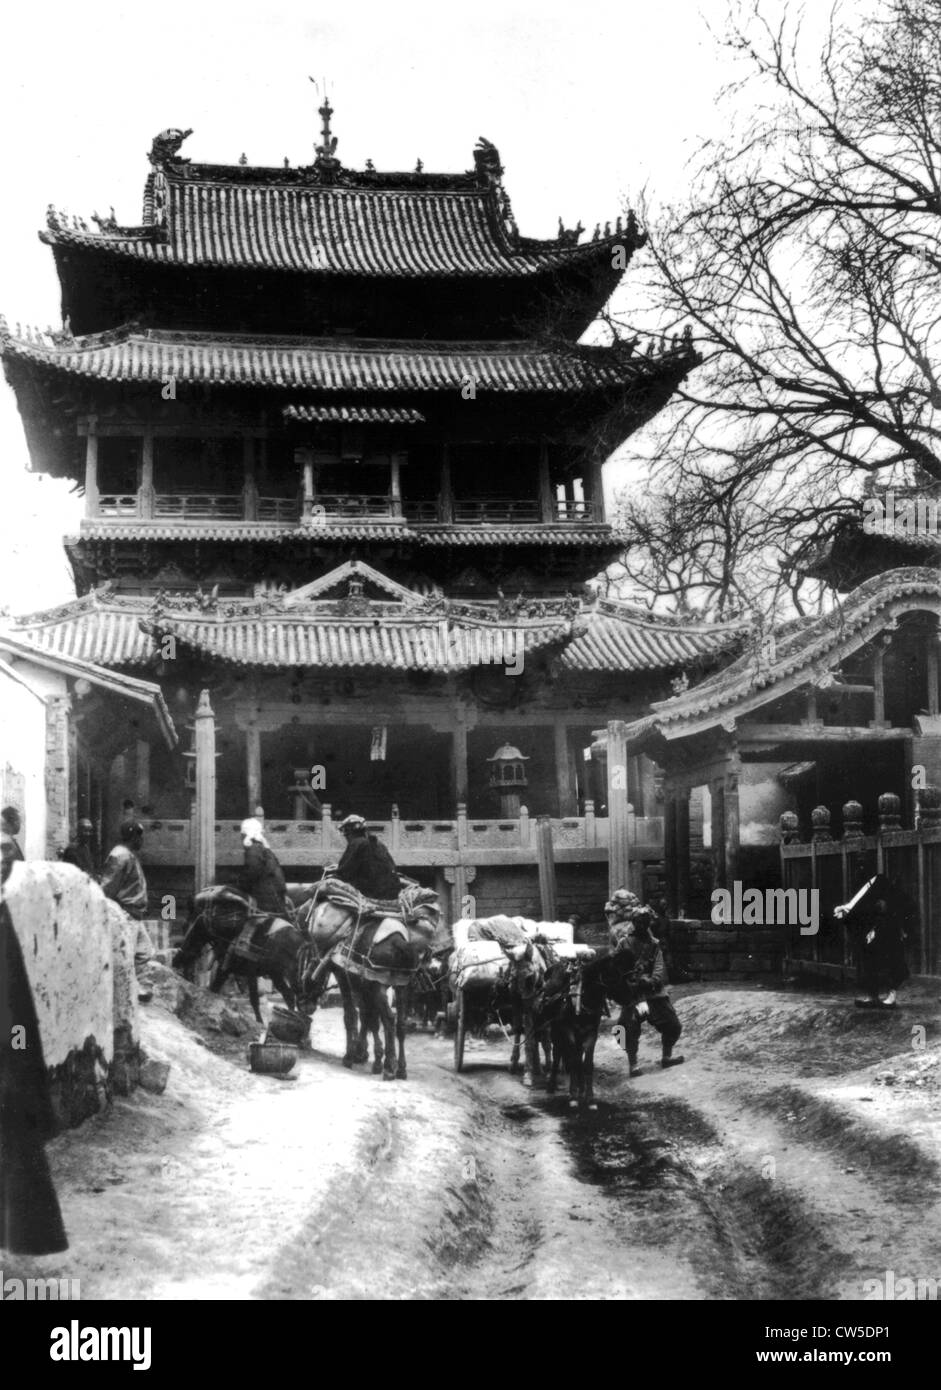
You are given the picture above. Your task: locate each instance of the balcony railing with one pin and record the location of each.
(346, 504)
(199, 505)
(278, 509)
(114, 504)
(411, 842)
(479, 511)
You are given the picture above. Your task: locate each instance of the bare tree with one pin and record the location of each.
(807, 259)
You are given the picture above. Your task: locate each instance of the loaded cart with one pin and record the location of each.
(479, 969)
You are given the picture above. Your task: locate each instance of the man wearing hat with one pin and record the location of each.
(123, 881)
(123, 876)
(366, 864)
(631, 929)
(81, 851)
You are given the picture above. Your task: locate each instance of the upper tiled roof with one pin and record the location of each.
(362, 224)
(126, 355)
(803, 650)
(353, 415)
(379, 634)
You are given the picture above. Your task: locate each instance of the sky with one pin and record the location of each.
(587, 103)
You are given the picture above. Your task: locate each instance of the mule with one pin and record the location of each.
(370, 955)
(521, 986)
(221, 913)
(573, 1004)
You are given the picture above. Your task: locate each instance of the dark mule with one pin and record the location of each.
(573, 1004)
(519, 990)
(221, 913)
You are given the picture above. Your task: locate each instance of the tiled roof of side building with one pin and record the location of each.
(802, 649)
(361, 224)
(118, 632)
(127, 355)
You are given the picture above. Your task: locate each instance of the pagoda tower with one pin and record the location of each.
(342, 454)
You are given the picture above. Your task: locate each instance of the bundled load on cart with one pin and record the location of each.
(481, 972)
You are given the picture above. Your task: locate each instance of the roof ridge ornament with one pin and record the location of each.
(166, 146)
(326, 162)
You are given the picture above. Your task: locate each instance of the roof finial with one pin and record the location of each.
(327, 149)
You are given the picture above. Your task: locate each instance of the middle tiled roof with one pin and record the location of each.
(325, 365)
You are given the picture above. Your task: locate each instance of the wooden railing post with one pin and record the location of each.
(547, 893)
(205, 748)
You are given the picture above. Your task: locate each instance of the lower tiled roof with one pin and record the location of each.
(118, 631)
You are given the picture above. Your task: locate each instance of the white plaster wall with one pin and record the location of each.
(65, 928)
(123, 940)
(23, 752)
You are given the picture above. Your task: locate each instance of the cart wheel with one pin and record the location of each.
(461, 1031)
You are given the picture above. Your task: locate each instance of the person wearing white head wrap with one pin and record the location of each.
(253, 833)
(262, 876)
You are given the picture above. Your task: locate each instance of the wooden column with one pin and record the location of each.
(142, 769)
(147, 474)
(731, 818)
(669, 852)
(205, 807)
(253, 767)
(447, 487)
(546, 861)
(568, 802)
(545, 488)
(395, 482)
(596, 499)
(717, 796)
(932, 694)
(91, 468)
(618, 843)
(459, 763)
(249, 481)
(878, 688)
(681, 813)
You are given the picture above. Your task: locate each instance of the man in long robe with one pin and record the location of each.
(30, 1219)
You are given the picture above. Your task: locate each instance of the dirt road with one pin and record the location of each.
(796, 1154)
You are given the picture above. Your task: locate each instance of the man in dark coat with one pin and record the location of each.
(30, 1219)
(651, 1002)
(81, 852)
(11, 825)
(262, 876)
(366, 864)
(878, 913)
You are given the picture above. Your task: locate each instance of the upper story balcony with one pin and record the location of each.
(234, 480)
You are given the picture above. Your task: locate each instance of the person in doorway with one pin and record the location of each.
(651, 1001)
(11, 826)
(366, 863)
(81, 850)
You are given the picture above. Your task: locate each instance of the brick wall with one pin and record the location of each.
(713, 950)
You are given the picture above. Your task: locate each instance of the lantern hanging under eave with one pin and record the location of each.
(508, 777)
